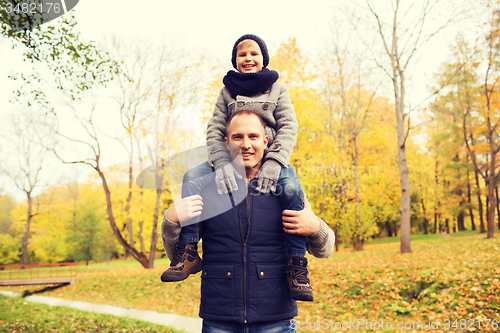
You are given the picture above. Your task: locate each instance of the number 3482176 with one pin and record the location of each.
(32, 8)
(471, 324)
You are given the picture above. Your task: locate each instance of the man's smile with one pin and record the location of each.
(246, 155)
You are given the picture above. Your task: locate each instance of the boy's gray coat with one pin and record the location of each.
(275, 108)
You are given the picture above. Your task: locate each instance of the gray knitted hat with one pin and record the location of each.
(259, 41)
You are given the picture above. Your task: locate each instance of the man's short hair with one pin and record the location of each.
(245, 112)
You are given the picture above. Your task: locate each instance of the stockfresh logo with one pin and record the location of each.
(24, 15)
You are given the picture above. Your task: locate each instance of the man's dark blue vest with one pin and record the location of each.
(244, 259)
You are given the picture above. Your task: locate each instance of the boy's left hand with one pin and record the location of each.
(269, 176)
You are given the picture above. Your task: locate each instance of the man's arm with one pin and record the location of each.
(320, 244)
(170, 232)
(320, 238)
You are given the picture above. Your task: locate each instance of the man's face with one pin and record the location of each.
(249, 58)
(246, 141)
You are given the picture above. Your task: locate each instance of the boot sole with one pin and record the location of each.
(176, 278)
(306, 297)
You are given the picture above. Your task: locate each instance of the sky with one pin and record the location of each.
(210, 27)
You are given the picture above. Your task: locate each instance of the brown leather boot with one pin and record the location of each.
(186, 261)
(297, 279)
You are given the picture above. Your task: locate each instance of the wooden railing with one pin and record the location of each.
(43, 273)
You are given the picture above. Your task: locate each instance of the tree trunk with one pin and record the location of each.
(493, 153)
(460, 220)
(141, 237)
(471, 211)
(426, 221)
(159, 174)
(399, 92)
(24, 253)
(140, 257)
(498, 208)
(141, 202)
(487, 206)
(154, 233)
(436, 200)
(87, 255)
(491, 197)
(129, 197)
(358, 239)
(479, 203)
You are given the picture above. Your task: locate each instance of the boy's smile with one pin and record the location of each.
(249, 57)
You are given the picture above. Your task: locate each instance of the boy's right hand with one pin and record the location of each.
(225, 179)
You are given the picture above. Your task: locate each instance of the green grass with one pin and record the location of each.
(17, 315)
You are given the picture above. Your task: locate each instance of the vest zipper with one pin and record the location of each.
(245, 279)
(248, 199)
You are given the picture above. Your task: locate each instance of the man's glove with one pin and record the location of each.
(268, 178)
(225, 179)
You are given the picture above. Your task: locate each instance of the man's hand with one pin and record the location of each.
(225, 179)
(303, 222)
(185, 209)
(268, 177)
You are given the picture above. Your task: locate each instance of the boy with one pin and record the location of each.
(252, 88)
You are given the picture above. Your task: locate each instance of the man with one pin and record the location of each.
(244, 247)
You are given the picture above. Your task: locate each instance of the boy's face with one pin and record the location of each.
(249, 57)
(246, 141)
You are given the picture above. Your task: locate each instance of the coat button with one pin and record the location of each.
(204, 273)
(228, 273)
(241, 104)
(261, 273)
(265, 106)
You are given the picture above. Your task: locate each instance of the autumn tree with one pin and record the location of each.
(9, 245)
(25, 140)
(452, 162)
(346, 90)
(395, 40)
(86, 233)
(483, 141)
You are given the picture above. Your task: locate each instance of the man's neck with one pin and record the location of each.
(253, 171)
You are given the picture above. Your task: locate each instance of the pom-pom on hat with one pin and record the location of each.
(259, 41)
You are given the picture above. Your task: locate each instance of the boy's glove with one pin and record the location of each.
(268, 178)
(225, 179)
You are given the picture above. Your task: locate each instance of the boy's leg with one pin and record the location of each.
(292, 197)
(186, 260)
(192, 184)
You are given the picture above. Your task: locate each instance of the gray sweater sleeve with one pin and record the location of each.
(320, 244)
(286, 129)
(170, 232)
(216, 132)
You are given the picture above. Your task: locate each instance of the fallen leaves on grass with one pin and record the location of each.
(450, 278)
